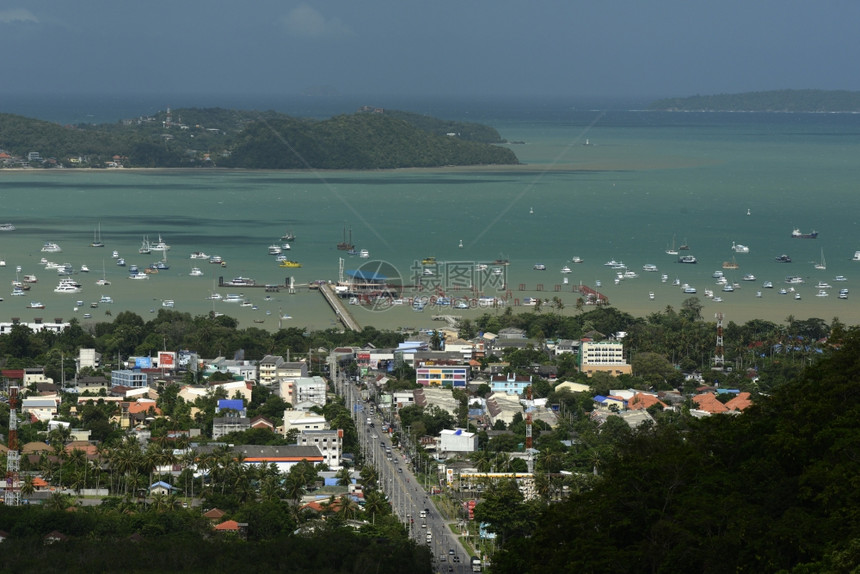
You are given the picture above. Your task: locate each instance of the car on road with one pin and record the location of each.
(450, 551)
(443, 558)
(400, 470)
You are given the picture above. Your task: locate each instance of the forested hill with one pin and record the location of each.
(215, 137)
(770, 101)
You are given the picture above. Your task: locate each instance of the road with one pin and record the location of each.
(407, 497)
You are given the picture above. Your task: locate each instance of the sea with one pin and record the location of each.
(598, 180)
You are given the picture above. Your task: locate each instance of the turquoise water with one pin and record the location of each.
(642, 180)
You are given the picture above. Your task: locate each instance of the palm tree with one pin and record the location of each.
(375, 504)
(348, 508)
(28, 488)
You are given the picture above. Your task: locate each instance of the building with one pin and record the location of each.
(511, 383)
(603, 356)
(452, 376)
(128, 378)
(303, 421)
(309, 392)
(43, 408)
(283, 457)
(457, 440)
(329, 442)
(273, 369)
(225, 425)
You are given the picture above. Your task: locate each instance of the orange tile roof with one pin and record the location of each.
(228, 526)
(708, 402)
(135, 408)
(643, 401)
(740, 402)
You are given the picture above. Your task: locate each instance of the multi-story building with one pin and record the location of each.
(603, 356)
(453, 376)
(329, 442)
(128, 378)
(309, 391)
(511, 383)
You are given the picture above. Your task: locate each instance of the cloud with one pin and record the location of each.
(17, 15)
(306, 22)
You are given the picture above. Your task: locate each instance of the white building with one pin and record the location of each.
(309, 391)
(43, 408)
(605, 356)
(329, 442)
(457, 440)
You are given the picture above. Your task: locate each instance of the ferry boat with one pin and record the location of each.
(51, 247)
(687, 259)
(240, 282)
(290, 264)
(796, 234)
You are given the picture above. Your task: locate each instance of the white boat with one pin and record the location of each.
(497, 271)
(843, 293)
(51, 247)
(84, 268)
(597, 283)
(717, 299)
(66, 288)
(429, 272)
(689, 289)
(749, 277)
(823, 285)
(138, 276)
(651, 295)
(145, 247)
(115, 254)
(797, 296)
(216, 259)
(793, 280)
(234, 298)
(738, 248)
(168, 303)
(630, 275)
(199, 255)
(576, 259)
(364, 253)
(717, 274)
(822, 265)
(856, 256)
(728, 287)
(840, 278)
(565, 269)
(564, 281)
(120, 262)
(196, 272)
(676, 282)
(35, 305)
(18, 291)
(758, 293)
(672, 250)
(767, 284)
(274, 249)
(105, 299)
(664, 278)
(709, 293)
(286, 247)
(613, 263)
(649, 267)
(461, 244)
(822, 293)
(160, 245)
(783, 291)
(7, 227)
(539, 267)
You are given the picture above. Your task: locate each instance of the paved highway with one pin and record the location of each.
(409, 501)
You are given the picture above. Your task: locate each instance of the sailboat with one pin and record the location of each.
(97, 237)
(103, 280)
(672, 250)
(346, 245)
(823, 264)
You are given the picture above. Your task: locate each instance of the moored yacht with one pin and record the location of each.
(51, 247)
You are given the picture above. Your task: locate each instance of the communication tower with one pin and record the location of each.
(12, 495)
(529, 460)
(719, 358)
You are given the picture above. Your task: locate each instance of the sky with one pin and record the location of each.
(618, 48)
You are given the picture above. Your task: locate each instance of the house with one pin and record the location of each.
(283, 457)
(43, 408)
(644, 401)
(54, 537)
(161, 487)
(214, 514)
(225, 425)
(261, 422)
(708, 402)
(228, 526)
(303, 420)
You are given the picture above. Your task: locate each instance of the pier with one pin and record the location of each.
(343, 314)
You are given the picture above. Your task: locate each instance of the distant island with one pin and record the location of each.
(370, 138)
(810, 101)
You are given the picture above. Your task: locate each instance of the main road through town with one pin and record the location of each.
(409, 500)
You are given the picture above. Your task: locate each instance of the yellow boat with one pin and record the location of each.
(428, 261)
(288, 263)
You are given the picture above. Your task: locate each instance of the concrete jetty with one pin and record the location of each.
(335, 302)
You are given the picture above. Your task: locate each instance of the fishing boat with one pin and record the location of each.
(821, 265)
(346, 245)
(97, 237)
(797, 234)
(160, 245)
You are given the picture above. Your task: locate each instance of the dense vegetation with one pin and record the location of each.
(770, 101)
(217, 137)
(771, 490)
